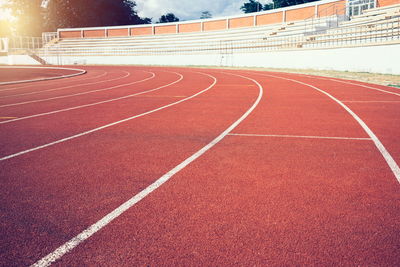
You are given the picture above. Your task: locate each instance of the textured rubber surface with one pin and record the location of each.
(277, 191)
(23, 74)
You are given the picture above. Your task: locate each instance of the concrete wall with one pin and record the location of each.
(118, 32)
(387, 2)
(169, 29)
(21, 60)
(3, 60)
(215, 25)
(375, 59)
(190, 27)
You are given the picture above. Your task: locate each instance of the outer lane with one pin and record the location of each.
(248, 201)
(378, 109)
(266, 201)
(127, 157)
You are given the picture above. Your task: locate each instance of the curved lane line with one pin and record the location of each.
(71, 244)
(83, 93)
(58, 88)
(110, 124)
(385, 153)
(68, 80)
(352, 83)
(366, 86)
(80, 72)
(93, 104)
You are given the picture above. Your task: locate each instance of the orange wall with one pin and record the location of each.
(165, 29)
(190, 27)
(300, 14)
(269, 18)
(142, 31)
(72, 34)
(93, 33)
(118, 32)
(241, 22)
(330, 8)
(214, 25)
(387, 2)
(221, 24)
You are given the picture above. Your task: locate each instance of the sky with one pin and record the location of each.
(184, 10)
(4, 14)
(189, 9)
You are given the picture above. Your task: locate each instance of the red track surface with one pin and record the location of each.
(22, 74)
(266, 194)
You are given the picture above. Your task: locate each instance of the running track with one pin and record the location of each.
(147, 166)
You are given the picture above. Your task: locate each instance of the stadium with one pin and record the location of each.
(269, 138)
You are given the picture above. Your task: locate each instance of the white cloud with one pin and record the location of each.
(187, 10)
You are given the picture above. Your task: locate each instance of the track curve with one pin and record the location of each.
(200, 167)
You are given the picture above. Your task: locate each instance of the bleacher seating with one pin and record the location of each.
(379, 24)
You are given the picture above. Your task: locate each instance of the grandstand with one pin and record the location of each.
(302, 31)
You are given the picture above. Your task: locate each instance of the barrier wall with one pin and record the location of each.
(381, 3)
(380, 59)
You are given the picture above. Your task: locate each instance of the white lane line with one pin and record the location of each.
(92, 104)
(50, 82)
(110, 124)
(83, 93)
(91, 230)
(302, 136)
(352, 83)
(59, 88)
(370, 101)
(80, 72)
(386, 155)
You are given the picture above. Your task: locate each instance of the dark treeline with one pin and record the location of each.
(255, 6)
(32, 20)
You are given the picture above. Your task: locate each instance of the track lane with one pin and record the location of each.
(113, 79)
(41, 90)
(27, 87)
(379, 116)
(96, 103)
(74, 123)
(265, 201)
(28, 74)
(125, 84)
(176, 139)
(250, 200)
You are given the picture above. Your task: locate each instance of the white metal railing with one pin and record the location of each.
(384, 31)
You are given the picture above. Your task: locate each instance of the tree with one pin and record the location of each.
(206, 15)
(29, 18)
(169, 17)
(285, 3)
(92, 13)
(251, 6)
(269, 6)
(255, 6)
(33, 20)
(5, 28)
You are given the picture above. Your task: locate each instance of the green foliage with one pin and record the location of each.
(169, 17)
(33, 20)
(285, 3)
(29, 18)
(255, 6)
(5, 28)
(251, 6)
(206, 15)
